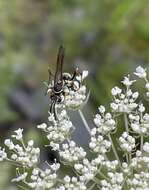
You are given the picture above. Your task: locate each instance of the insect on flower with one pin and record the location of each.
(62, 83)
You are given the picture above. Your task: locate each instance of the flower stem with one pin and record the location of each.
(126, 123)
(92, 186)
(102, 175)
(20, 186)
(141, 143)
(84, 121)
(114, 151)
(128, 157)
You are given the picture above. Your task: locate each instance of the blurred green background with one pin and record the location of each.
(107, 37)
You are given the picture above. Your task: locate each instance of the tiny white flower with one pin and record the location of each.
(30, 143)
(9, 144)
(42, 126)
(67, 179)
(84, 74)
(135, 95)
(141, 108)
(101, 109)
(116, 90)
(147, 86)
(127, 82)
(147, 94)
(18, 135)
(3, 154)
(140, 72)
(14, 156)
(146, 147)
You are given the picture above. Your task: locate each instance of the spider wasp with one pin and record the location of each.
(62, 81)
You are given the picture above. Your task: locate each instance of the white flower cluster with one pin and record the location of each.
(110, 165)
(139, 181)
(40, 179)
(20, 153)
(75, 99)
(71, 153)
(58, 130)
(124, 101)
(140, 160)
(44, 179)
(127, 142)
(86, 168)
(76, 156)
(98, 144)
(115, 181)
(141, 73)
(117, 157)
(72, 183)
(139, 121)
(104, 122)
(76, 96)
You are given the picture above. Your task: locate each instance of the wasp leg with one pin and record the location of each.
(54, 111)
(51, 107)
(75, 73)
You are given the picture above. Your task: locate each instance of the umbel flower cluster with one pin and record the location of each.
(117, 156)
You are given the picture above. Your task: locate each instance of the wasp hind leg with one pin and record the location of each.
(53, 109)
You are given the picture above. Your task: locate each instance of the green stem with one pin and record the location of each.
(128, 157)
(102, 175)
(114, 151)
(84, 121)
(141, 143)
(92, 186)
(126, 123)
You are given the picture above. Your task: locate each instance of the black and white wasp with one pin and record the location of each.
(62, 82)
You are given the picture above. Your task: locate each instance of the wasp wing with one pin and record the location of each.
(58, 78)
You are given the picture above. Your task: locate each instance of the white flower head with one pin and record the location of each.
(140, 72)
(127, 82)
(18, 134)
(141, 108)
(115, 91)
(146, 147)
(3, 154)
(101, 109)
(84, 74)
(42, 126)
(9, 144)
(147, 86)
(127, 142)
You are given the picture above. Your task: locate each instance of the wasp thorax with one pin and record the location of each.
(58, 88)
